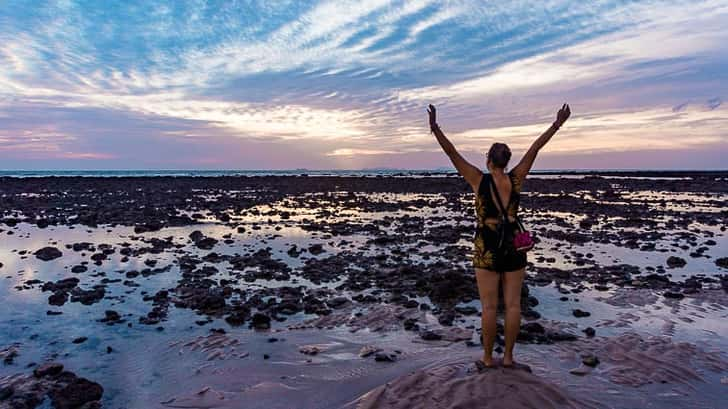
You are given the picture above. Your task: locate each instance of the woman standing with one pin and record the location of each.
(497, 195)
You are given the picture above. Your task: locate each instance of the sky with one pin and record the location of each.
(345, 84)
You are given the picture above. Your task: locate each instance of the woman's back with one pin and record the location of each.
(486, 201)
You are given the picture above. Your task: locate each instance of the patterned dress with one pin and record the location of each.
(491, 249)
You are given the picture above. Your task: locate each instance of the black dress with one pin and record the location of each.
(488, 251)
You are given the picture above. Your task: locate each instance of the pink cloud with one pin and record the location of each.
(84, 155)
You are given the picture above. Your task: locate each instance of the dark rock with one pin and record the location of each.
(590, 332)
(98, 257)
(294, 251)
(674, 295)
(260, 321)
(558, 336)
(111, 317)
(309, 350)
(533, 327)
(48, 369)
(48, 253)
(675, 262)
(202, 241)
(58, 298)
(590, 360)
(148, 226)
(80, 340)
(76, 394)
(88, 297)
(206, 243)
(316, 249)
(83, 246)
(64, 285)
(530, 314)
(410, 324)
(446, 318)
(385, 356)
(579, 313)
(196, 235)
(9, 355)
(722, 262)
(6, 392)
(237, 317)
(337, 302)
(77, 269)
(430, 335)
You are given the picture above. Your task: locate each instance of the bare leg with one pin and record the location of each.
(488, 289)
(512, 282)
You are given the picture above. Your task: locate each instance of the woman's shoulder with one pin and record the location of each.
(517, 180)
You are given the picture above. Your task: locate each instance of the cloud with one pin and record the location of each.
(337, 79)
(603, 132)
(356, 152)
(618, 57)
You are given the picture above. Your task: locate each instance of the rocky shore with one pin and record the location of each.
(299, 253)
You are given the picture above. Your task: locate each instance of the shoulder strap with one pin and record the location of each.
(481, 190)
(497, 196)
(500, 203)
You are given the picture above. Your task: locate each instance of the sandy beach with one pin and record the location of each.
(357, 292)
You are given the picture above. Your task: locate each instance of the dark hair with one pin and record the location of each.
(499, 154)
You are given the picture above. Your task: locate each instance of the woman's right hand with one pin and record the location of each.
(563, 114)
(433, 116)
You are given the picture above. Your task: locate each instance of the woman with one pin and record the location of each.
(495, 257)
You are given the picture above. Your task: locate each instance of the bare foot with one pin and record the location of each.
(485, 364)
(482, 366)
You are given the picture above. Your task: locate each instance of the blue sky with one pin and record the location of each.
(296, 84)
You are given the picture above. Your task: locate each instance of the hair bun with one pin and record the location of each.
(499, 154)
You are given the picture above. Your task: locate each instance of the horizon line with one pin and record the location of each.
(439, 169)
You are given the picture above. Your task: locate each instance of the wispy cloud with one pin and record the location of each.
(603, 132)
(342, 79)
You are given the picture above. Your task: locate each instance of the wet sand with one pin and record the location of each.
(267, 291)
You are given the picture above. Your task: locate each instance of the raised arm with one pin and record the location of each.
(471, 174)
(524, 166)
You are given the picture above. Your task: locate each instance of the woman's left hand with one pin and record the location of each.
(563, 114)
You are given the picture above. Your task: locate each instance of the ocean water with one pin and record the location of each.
(616, 173)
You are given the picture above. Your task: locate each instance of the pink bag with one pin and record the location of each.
(523, 240)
